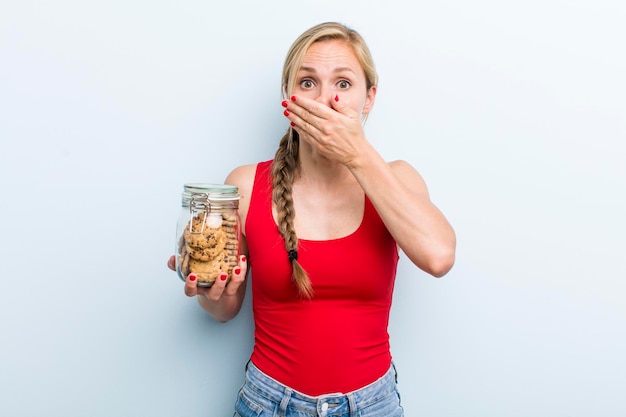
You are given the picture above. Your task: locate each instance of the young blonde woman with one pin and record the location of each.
(322, 224)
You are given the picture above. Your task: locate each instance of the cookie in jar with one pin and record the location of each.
(208, 232)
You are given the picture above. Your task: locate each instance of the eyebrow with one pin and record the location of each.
(337, 70)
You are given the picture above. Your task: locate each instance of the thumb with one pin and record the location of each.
(340, 106)
(191, 285)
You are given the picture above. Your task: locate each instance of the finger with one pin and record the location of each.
(243, 264)
(171, 263)
(217, 289)
(191, 285)
(238, 276)
(306, 114)
(340, 106)
(299, 123)
(309, 108)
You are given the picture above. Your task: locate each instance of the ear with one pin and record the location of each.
(369, 100)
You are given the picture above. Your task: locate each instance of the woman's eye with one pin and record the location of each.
(343, 84)
(306, 83)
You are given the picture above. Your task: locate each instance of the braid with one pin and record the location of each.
(283, 172)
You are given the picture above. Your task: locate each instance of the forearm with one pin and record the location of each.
(401, 199)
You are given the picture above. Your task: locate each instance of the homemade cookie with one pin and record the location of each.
(207, 272)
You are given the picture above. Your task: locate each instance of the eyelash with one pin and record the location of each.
(307, 80)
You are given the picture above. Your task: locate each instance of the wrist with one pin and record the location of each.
(367, 156)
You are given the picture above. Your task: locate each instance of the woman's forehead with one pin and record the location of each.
(331, 52)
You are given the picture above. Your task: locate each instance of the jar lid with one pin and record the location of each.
(214, 192)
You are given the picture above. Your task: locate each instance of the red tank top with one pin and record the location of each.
(338, 341)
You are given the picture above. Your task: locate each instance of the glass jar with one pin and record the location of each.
(208, 232)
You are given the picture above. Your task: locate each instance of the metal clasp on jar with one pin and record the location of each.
(200, 206)
(199, 203)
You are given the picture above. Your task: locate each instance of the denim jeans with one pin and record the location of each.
(262, 396)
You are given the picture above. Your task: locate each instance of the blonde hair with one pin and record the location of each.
(285, 162)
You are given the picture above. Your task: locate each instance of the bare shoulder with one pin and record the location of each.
(400, 166)
(243, 178)
(409, 176)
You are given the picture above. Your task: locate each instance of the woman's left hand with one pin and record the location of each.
(335, 132)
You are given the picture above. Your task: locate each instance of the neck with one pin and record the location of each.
(316, 168)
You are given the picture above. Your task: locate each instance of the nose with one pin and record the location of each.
(324, 96)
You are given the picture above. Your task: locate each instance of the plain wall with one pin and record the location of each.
(513, 112)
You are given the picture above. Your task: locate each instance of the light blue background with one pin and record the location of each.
(514, 113)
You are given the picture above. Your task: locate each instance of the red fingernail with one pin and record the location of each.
(192, 277)
(286, 113)
(237, 270)
(292, 124)
(337, 97)
(243, 258)
(293, 98)
(284, 103)
(223, 276)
